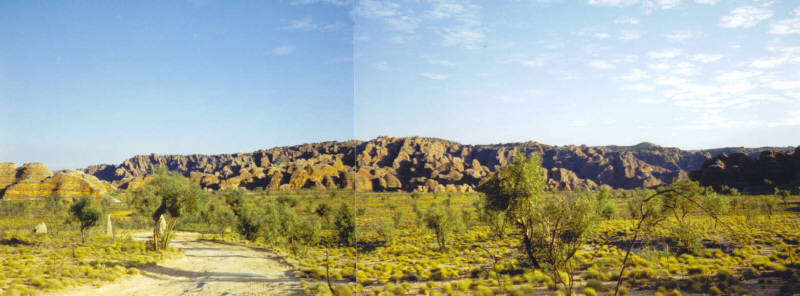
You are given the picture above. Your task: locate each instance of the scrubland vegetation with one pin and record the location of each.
(72, 252)
(513, 238)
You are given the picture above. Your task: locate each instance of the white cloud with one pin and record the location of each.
(307, 24)
(438, 62)
(735, 76)
(333, 2)
(380, 65)
(626, 59)
(670, 80)
(712, 119)
(745, 17)
(600, 35)
(602, 65)
(391, 14)
(681, 35)
(467, 38)
(639, 87)
(706, 2)
(635, 75)
(617, 3)
(652, 101)
(661, 66)
(707, 58)
(626, 20)
(283, 50)
(664, 54)
(667, 4)
(445, 10)
(784, 85)
(785, 27)
(526, 61)
(796, 11)
(435, 76)
(684, 68)
(377, 9)
(768, 62)
(630, 35)
(579, 122)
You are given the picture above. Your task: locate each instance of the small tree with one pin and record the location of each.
(217, 213)
(54, 204)
(652, 207)
(171, 195)
(495, 219)
(513, 191)
(783, 194)
(444, 224)
(250, 219)
(56, 207)
(559, 226)
(324, 211)
(346, 225)
(87, 213)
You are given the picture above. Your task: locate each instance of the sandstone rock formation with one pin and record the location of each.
(748, 174)
(416, 164)
(35, 180)
(40, 228)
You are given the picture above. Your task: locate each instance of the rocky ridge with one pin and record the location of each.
(417, 164)
(35, 180)
(749, 173)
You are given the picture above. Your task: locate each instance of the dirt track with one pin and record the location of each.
(207, 268)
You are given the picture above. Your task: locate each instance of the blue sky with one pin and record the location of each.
(98, 82)
(691, 74)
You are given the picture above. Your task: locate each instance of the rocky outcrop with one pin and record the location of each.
(750, 174)
(416, 164)
(35, 180)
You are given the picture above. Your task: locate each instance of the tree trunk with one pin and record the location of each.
(529, 249)
(155, 236)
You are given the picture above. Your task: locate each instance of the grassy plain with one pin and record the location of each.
(748, 251)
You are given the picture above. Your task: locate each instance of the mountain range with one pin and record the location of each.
(423, 165)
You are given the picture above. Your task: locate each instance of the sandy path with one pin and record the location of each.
(207, 268)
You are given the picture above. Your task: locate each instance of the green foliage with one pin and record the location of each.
(605, 207)
(171, 195)
(558, 227)
(54, 204)
(387, 231)
(783, 194)
(444, 223)
(15, 208)
(86, 212)
(495, 219)
(287, 200)
(324, 211)
(768, 204)
(280, 225)
(514, 191)
(217, 213)
(513, 187)
(686, 238)
(716, 203)
(346, 225)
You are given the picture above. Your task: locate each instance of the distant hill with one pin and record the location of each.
(420, 164)
(752, 174)
(35, 180)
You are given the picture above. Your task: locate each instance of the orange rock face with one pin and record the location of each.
(35, 180)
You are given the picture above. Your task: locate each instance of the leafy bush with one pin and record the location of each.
(444, 224)
(346, 225)
(687, 238)
(86, 213)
